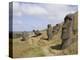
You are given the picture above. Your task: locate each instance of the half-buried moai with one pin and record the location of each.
(49, 32)
(56, 28)
(25, 36)
(37, 32)
(67, 28)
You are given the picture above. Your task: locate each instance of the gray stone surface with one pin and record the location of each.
(49, 32)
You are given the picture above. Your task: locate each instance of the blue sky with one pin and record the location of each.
(29, 16)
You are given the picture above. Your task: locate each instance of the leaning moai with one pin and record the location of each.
(67, 28)
(36, 32)
(49, 32)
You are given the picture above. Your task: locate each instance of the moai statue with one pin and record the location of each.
(54, 29)
(25, 36)
(66, 35)
(49, 32)
(36, 32)
(57, 27)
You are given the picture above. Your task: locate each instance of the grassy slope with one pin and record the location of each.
(38, 46)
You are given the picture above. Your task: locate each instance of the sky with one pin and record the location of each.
(28, 16)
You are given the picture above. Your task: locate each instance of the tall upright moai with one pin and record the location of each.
(49, 32)
(67, 31)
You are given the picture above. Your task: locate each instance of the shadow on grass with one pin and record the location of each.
(57, 47)
(45, 38)
(36, 35)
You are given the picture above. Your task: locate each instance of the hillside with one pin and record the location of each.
(40, 46)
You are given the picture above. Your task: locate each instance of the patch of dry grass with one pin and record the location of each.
(36, 46)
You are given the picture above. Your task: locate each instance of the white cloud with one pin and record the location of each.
(28, 9)
(34, 10)
(50, 13)
(50, 17)
(17, 22)
(57, 12)
(17, 9)
(49, 10)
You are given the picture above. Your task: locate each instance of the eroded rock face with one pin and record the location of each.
(49, 32)
(67, 30)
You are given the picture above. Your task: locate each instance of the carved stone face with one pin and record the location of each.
(68, 18)
(33, 30)
(49, 25)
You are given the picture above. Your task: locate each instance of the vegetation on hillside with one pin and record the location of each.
(40, 46)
